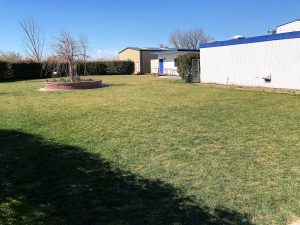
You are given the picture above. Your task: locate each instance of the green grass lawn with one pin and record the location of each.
(148, 151)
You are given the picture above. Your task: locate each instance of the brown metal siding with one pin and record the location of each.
(130, 54)
(147, 56)
(142, 57)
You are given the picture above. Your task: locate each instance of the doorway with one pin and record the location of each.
(161, 66)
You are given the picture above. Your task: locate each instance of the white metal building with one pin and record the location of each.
(268, 61)
(167, 61)
(154, 66)
(289, 27)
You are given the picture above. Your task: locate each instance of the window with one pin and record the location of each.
(175, 62)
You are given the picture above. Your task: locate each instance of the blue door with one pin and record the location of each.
(161, 66)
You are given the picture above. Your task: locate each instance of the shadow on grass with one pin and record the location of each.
(113, 85)
(118, 85)
(10, 93)
(50, 183)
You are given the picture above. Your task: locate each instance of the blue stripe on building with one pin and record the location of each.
(264, 38)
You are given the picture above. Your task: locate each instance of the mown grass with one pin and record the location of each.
(148, 151)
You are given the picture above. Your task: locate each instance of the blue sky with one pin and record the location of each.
(111, 25)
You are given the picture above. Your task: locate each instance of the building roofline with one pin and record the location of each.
(175, 50)
(145, 49)
(288, 23)
(265, 38)
(127, 48)
(187, 50)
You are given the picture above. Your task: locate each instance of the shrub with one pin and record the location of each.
(27, 70)
(93, 68)
(5, 71)
(184, 65)
(32, 70)
(106, 68)
(120, 67)
(50, 66)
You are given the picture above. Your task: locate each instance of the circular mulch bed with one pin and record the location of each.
(65, 86)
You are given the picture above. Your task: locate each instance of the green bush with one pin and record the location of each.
(184, 65)
(27, 70)
(33, 70)
(93, 68)
(106, 68)
(49, 67)
(120, 67)
(5, 71)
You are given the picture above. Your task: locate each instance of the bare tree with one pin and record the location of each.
(83, 40)
(189, 39)
(33, 39)
(70, 50)
(10, 56)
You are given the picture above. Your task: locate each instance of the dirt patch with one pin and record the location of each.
(169, 77)
(67, 86)
(296, 222)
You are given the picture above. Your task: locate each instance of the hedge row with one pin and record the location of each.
(33, 70)
(4, 69)
(92, 68)
(23, 70)
(107, 68)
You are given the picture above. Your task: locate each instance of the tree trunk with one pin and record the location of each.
(71, 71)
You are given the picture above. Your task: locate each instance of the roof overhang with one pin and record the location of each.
(133, 48)
(265, 38)
(145, 49)
(175, 51)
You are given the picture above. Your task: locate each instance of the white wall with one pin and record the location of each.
(169, 62)
(290, 27)
(154, 66)
(247, 64)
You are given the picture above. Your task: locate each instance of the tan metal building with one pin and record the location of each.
(141, 57)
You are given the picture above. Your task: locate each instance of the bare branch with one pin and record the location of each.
(33, 39)
(83, 40)
(10, 56)
(71, 50)
(189, 39)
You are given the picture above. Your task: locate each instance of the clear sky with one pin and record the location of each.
(111, 25)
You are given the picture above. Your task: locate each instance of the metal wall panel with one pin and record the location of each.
(248, 64)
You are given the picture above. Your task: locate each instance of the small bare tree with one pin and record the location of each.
(189, 39)
(83, 40)
(70, 50)
(33, 39)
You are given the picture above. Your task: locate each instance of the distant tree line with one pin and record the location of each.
(190, 39)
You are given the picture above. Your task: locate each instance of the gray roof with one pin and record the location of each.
(175, 50)
(146, 49)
